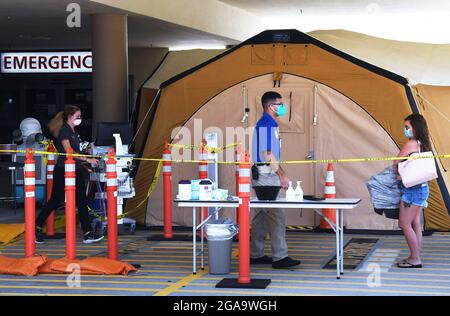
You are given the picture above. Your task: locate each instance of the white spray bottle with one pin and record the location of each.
(290, 193)
(298, 192)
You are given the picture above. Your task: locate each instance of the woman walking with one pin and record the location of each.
(62, 126)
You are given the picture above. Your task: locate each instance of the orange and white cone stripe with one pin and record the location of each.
(111, 189)
(49, 187)
(167, 192)
(330, 193)
(30, 203)
(71, 233)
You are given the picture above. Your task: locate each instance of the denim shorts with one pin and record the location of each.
(416, 195)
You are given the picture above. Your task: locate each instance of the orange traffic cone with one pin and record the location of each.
(330, 193)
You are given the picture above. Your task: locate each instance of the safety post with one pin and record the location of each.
(111, 189)
(50, 231)
(167, 201)
(30, 203)
(167, 179)
(203, 174)
(244, 280)
(71, 233)
(330, 193)
(244, 220)
(238, 158)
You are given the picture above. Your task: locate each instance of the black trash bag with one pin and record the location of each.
(385, 194)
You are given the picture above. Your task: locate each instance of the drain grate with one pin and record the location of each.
(355, 252)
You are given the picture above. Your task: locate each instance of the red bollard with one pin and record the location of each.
(50, 168)
(71, 233)
(30, 204)
(203, 174)
(244, 220)
(111, 189)
(167, 181)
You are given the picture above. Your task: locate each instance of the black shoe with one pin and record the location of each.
(285, 263)
(90, 238)
(39, 236)
(261, 260)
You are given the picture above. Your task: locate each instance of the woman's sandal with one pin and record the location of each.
(408, 265)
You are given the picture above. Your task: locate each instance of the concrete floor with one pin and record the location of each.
(167, 270)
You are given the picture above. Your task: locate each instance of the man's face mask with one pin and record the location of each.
(279, 109)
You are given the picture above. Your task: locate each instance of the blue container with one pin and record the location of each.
(195, 188)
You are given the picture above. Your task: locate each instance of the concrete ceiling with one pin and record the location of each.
(335, 7)
(41, 24)
(31, 24)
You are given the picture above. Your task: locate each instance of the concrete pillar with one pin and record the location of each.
(110, 68)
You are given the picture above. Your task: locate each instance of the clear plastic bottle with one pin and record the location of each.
(298, 192)
(290, 193)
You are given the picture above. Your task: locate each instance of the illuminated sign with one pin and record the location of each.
(46, 62)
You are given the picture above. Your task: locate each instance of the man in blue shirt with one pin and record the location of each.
(266, 148)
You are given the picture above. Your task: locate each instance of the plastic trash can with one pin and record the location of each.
(219, 234)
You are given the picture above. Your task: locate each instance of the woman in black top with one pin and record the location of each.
(62, 126)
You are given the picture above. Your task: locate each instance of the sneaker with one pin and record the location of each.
(39, 236)
(285, 263)
(90, 238)
(261, 260)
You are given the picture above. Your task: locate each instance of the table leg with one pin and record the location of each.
(338, 247)
(341, 217)
(202, 248)
(194, 240)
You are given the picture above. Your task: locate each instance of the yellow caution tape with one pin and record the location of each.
(367, 159)
(210, 149)
(152, 186)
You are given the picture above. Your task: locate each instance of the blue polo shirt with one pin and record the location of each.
(265, 138)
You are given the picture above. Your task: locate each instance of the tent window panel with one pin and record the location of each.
(295, 55)
(263, 55)
(294, 120)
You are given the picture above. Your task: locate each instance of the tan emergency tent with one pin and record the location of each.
(338, 107)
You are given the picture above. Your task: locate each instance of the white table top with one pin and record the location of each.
(328, 203)
(212, 203)
(280, 203)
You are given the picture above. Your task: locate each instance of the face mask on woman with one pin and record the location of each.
(408, 133)
(77, 121)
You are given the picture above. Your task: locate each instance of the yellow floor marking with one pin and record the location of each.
(125, 277)
(166, 271)
(62, 294)
(83, 288)
(318, 289)
(342, 282)
(185, 281)
(85, 281)
(424, 258)
(300, 280)
(268, 293)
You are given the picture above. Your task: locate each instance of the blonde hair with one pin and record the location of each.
(54, 126)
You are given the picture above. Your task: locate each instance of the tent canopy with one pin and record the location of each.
(348, 93)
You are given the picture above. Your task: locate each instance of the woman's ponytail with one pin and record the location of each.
(54, 126)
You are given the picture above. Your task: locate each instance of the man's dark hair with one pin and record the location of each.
(269, 98)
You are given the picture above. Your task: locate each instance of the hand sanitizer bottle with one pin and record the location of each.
(298, 192)
(290, 193)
